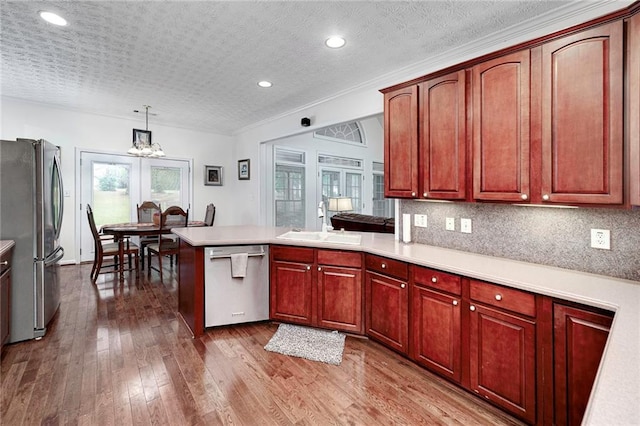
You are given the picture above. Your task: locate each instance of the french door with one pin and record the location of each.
(339, 182)
(115, 184)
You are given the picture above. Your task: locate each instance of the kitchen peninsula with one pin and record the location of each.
(617, 385)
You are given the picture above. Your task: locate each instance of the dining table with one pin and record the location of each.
(121, 231)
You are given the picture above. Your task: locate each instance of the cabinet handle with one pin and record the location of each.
(545, 197)
(498, 297)
(4, 263)
(308, 268)
(384, 266)
(403, 285)
(455, 303)
(524, 196)
(472, 308)
(424, 194)
(434, 279)
(413, 194)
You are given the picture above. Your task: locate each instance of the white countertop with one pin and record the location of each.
(5, 245)
(616, 396)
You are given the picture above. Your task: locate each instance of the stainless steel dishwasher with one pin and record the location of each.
(233, 300)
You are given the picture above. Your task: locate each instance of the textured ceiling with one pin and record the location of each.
(197, 63)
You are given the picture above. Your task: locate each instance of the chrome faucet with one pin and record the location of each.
(323, 215)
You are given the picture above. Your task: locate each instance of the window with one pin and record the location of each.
(341, 177)
(381, 206)
(345, 132)
(289, 188)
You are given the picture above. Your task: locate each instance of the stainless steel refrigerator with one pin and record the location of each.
(31, 208)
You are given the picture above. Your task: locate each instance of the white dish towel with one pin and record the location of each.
(239, 265)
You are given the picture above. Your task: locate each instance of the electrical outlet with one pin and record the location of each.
(465, 226)
(601, 239)
(420, 220)
(450, 224)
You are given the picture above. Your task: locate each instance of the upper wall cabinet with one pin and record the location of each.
(633, 118)
(501, 102)
(582, 118)
(425, 139)
(401, 143)
(443, 137)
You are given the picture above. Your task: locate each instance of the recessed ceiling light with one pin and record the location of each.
(54, 19)
(335, 42)
(265, 83)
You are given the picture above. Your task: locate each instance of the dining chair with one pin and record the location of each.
(210, 215)
(146, 212)
(172, 216)
(105, 246)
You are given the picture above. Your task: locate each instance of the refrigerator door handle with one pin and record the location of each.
(54, 257)
(60, 193)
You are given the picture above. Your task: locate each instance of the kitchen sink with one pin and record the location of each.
(320, 237)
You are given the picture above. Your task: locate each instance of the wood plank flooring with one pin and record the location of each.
(117, 354)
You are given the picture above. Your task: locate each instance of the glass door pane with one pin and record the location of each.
(111, 195)
(353, 189)
(289, 196)
(166, 182)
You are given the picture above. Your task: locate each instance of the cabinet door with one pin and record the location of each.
(582, 122)
(387, 311)
(443, 137)
(633, 70)
(291, 292)
(436, 332)
(340, 298)
(502, 360)
(501, 140)
(5, 301)
(401, 143)
(579, 338)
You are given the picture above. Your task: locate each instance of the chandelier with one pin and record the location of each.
(142, 145)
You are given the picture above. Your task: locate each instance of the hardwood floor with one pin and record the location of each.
(117, 354)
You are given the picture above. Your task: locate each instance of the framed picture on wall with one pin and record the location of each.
(244, 169)
(213, 175)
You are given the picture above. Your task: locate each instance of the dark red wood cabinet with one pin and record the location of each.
(582, 117)
(579, 338)
(387, 302)
(442, 144)
(633, 99)
(401, 143)
(501, 138)
(5, 296)
(436, 322)
(291, 284)
(321, 288)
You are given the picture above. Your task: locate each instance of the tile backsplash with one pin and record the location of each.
(550, 236)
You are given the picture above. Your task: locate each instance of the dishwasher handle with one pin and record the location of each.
(228, 256)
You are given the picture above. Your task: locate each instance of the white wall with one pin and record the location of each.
(72, 129)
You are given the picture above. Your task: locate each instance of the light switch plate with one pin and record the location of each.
(450, 224)
(420, 220)
(601, 239)
(465, 226)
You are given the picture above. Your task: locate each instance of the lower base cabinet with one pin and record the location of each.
(321, 288)
(579, 338)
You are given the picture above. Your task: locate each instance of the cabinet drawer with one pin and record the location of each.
(503, 297)
(385, 266)
(425, 277)
(340, 258)
(295, 254)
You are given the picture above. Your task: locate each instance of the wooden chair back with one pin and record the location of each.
(210, 215)
(146, 210)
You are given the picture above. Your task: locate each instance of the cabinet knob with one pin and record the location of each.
(4, 263)
(384, 266)
(424, 194)
(308, 268)
(545, 197)
(434, 279)
(524, 196)
(403, 285)
(413, 194)
(472, 308)
(319, 268)
(455, 303)
(498, 297)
